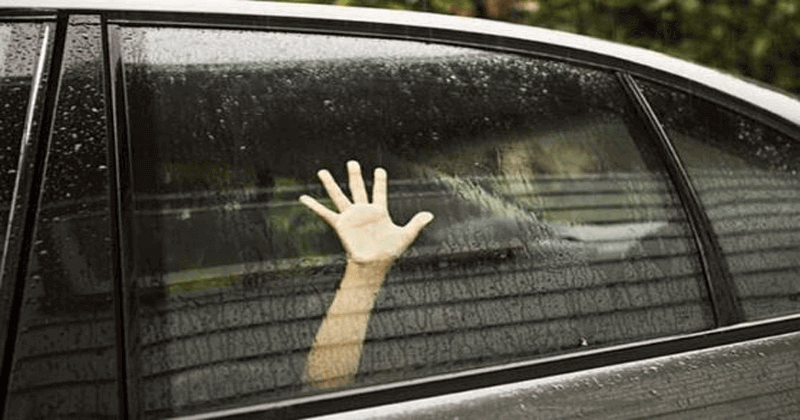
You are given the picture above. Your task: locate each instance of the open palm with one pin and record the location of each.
(366, 229)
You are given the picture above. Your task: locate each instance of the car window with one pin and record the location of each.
(20, 45)
(65, 356)
(748, 178)
(20, 57)
(555, 229)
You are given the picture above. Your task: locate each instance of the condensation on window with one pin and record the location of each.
(65, 356)
(160, 46)
(555, 229)
(748, 177)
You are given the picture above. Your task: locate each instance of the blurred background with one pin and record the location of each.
(758, 39)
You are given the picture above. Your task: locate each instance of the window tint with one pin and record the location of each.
(64, 360)
(748, 177)
(555, 229)
(20, 56)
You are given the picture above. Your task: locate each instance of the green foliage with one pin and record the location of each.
(755, 38)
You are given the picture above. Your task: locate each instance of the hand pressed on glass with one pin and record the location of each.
(372, 242)
(366, 229)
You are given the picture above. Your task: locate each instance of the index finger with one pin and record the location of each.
(325, 213)
(334, 192)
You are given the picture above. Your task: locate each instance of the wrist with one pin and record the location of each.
(364, 274)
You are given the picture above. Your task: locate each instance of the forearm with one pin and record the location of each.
(336, 351)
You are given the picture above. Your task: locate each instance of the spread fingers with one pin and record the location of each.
(325, 213)
(334, 192)
(357, 183)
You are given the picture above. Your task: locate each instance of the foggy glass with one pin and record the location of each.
(556, 229)
(748, 178)
(65, 358)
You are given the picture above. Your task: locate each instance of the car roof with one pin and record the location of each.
(772, 100)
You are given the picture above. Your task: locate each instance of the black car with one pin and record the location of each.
(616, 232)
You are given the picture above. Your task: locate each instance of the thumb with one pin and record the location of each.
(417, 223)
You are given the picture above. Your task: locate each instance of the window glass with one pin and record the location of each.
(20, 47)
(554, 227)
(64, 360)
(748, 178)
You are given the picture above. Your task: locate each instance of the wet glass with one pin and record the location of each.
(748, 178)
(20, 56)
(65, 357)
(20, 47)
(555, 227)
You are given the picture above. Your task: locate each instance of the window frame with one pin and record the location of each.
(730, 328)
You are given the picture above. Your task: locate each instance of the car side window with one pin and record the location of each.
(748, 178)
(65, 354)
(555, 227)
(20, 47)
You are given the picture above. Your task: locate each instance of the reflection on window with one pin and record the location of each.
(65, 357)
(20, 49)
(20, 45)
(748, 177)
(555, 229)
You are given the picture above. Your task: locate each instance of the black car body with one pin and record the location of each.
(617, 232)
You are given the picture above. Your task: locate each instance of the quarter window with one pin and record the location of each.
(555, 227)
(748, 178)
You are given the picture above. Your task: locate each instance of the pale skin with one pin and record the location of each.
(372, 242)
